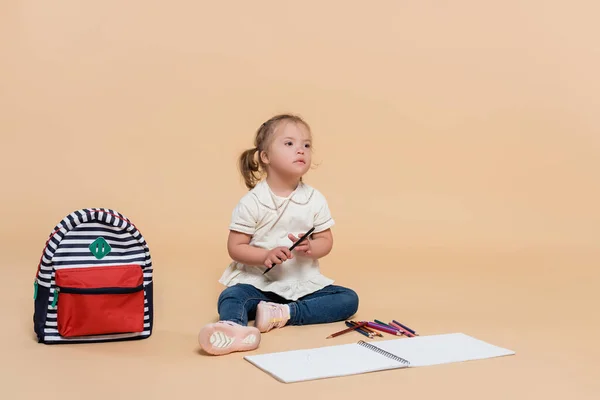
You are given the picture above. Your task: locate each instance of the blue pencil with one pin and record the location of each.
(359, 330)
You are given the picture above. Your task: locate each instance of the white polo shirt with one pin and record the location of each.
(269, 219)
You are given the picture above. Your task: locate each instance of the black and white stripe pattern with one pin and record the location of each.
(68, 247)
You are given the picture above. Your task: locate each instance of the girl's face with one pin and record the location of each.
(290, 153)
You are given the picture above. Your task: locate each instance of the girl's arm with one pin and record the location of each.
(240, 250)
(321, 244)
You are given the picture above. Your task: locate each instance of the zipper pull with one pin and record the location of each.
(55, 297)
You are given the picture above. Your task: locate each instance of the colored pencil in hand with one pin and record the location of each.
(302, 238)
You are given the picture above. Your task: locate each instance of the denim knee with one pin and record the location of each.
(349, 300)
(231, 292)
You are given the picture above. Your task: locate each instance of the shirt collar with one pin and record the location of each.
(265, 195)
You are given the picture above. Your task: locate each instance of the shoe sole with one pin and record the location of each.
(220, 339)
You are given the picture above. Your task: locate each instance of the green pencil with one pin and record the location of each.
(383, 323)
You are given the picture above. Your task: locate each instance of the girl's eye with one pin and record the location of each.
(288, 143)
(307, 145)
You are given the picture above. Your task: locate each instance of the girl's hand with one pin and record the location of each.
(277, 256)
(304, 247)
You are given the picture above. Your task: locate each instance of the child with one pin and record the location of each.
(265, 223)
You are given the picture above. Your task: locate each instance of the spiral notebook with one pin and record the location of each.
(363, 357)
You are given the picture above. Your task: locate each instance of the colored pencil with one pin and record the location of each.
(406, 327)
(363, 328)
(359, 329)
(371, 331)
(384, 328)
(383, 323)
(305, 236)
(401, 329)
(389, 326)
(345, 331)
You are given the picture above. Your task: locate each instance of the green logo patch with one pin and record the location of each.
(100, 248)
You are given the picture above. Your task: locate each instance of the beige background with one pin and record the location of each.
(458, 146)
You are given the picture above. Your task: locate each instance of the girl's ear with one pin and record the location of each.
(264, 158)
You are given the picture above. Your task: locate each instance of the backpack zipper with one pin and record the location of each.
(106, 290)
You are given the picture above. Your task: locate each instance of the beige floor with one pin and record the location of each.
(457, 144)
(538, 302)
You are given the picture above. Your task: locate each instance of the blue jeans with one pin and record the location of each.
(331, 304)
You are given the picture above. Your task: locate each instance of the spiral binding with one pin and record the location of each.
(383, 352)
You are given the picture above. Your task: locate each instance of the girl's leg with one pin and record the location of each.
(238, 303)
(330, 304)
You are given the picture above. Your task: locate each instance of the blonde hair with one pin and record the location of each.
(251, 166)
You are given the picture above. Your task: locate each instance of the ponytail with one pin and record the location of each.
(249, 167)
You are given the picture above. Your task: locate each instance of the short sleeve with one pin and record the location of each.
(323, 217)
(244, 217)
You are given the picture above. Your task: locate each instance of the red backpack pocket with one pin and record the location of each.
(99, 300)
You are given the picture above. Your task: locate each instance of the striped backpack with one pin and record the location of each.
(94, 281)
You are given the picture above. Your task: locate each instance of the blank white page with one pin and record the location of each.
(322, 362)
(441, 349)
(351, 359)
